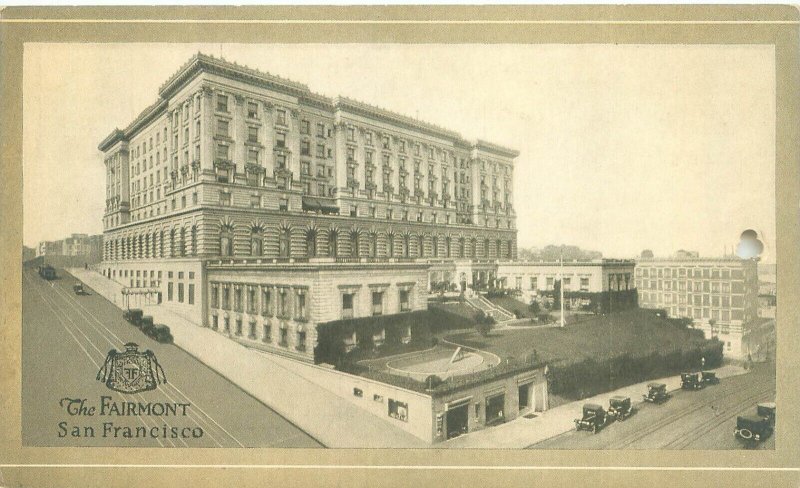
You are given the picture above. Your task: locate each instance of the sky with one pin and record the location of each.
(622, 147)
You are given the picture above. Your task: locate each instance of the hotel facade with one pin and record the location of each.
(258, 208)
(719, 295)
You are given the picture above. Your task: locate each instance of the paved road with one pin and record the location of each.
(703, 419)
(65, 339)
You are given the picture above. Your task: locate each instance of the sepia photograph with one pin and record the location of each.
(400, 246)
(321, 245)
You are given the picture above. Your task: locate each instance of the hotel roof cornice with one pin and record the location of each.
(206, 63)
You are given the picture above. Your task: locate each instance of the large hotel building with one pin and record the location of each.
(256, 207)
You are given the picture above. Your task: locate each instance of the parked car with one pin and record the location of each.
(78, 288)
(710, 378)
(133, 315)
(146, 323)
(619, 407)
(692, 381)
(594, 418)
(656, 393)
(767, 410)
(752, 429)
(161, 333)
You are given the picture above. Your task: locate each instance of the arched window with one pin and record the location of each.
(406, 245)
(284, 243)
(421, 246)
(333, 244)
(154, 244)
(473, 251)
(498, 248)
(354, 244)
(256, 242)
(171, 242)
(182, 243)
(194, 240)
(311, 243)
(140, 247)
(448, 246)
(161, 244)
(435, 246)
(486, 248)
(373, 245)
(390, 245)
(225, 241)
(146, 253)
(461, 247)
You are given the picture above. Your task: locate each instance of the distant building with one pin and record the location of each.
(719, 295)
(682, 254)
(83, 248)
(582, 280)
(49, 248)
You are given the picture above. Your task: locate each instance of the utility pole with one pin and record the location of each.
(561, 288)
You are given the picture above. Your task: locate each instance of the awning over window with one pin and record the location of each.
(320, 204)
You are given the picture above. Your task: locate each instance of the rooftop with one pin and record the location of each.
(202, 62)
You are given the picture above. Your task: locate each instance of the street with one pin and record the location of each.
(703, 419)
(65, 340)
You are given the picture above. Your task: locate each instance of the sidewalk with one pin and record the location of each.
(325, 416)
(521, 432)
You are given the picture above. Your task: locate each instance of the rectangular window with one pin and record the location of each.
(377, 303)
(222, 127)
(224, 199)
(404, 304)
(283, 205)
(255, 201)
(252, 110)
(584, 284)
(305, 148)
(222, 151)
(191, 293)
(305, 127)
(280, 139)
(252, 134)
(281, 117)
(222, 103)
(169, 291)
(180, 292)
(280, 160)
(347, 305)
(305, 168)
(320, 130)
(301, 306)
(320, 150)
(252, 156)
(237, 299)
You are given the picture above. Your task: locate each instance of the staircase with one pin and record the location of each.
(500, 314)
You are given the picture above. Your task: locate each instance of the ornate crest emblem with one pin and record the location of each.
(131, 371)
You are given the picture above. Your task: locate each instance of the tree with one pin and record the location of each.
(534, 307)
(483, 323)
(647, 254)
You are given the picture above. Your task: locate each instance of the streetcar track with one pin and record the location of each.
(69, 331)
(177, 390)
(199, 421)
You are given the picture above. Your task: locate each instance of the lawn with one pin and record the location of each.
(602, 336)
(513, 305)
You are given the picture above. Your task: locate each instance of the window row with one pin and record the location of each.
(285, 302)
(161, 244)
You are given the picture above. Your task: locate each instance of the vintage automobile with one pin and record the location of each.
(656, 393)
(619, 407)
(692, 381)
(767, 411)
(146, 323)
(78, 288)
(752, 429)
(594, 418)
(710, 378)
(47, 272)
(133, 315)
(160, 332)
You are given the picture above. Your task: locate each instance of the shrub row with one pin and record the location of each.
(331, 336)
(583, 378)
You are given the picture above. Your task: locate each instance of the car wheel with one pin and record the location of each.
(746, 434)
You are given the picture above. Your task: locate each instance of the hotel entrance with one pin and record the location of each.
(525, 396)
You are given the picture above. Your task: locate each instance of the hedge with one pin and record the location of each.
(424, 324)
(601, 302)
(587, 377)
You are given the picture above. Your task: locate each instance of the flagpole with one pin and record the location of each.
(561, 289)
